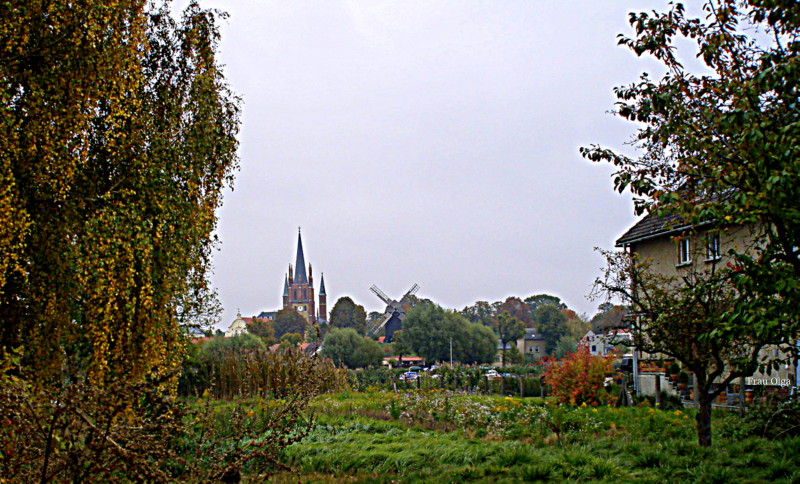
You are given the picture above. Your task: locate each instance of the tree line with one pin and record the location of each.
(429, 329)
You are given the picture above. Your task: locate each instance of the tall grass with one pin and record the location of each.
(260, 373)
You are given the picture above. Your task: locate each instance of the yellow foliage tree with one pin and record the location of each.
(118, 133)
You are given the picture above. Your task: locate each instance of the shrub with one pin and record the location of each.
(130, 431)
(578, 378)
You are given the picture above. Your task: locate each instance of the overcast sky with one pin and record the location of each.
(429, 142)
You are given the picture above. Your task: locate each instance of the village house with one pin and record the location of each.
(603, 344)
(531, 345)
(672, 248)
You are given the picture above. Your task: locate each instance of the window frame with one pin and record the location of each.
(684, 251)
(713, 251)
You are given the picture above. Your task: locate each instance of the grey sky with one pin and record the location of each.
(433, 142)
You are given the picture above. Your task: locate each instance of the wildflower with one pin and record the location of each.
(583, 404)
(678, 413)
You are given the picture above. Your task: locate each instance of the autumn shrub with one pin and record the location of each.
(129, 431)
(577, 378)
(83, 433)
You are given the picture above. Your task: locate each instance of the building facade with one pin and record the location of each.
(673, 249)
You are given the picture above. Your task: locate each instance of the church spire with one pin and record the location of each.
(300, 265)
(322, 285)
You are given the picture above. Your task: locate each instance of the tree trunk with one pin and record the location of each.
(704, 420)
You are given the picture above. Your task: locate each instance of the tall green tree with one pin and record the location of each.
(117, 137)
(516, 308)
(537, 300)
(480, 312)
(262, 328)
(429, 330)
(551, 323)
(348, 314)
(510, 330)
(608, 316)
(346, 347)
(401, 347)
(288, 320)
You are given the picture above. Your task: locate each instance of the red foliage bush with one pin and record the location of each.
(578, 378)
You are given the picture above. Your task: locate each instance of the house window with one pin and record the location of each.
(594, 349)
(712, 249)
(684, 252)
(537, 349)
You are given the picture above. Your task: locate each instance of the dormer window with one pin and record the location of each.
(712, 249)
(684, 252)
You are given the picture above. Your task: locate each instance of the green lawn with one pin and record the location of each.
(443, 437)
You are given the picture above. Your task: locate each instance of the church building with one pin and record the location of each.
(298, 289)
(298, 294)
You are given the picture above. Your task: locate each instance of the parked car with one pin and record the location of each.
(409, 376)
(492, 374)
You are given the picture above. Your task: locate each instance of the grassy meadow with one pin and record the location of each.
(440, 436)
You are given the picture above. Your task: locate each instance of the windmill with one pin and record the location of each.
(395, 312)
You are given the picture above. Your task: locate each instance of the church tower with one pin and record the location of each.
(323, 300)
(298, 287)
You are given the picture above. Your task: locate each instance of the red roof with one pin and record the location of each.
(405, 358)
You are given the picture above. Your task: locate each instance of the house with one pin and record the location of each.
(673, 248)
(603, 344)
(408, 361)
(531, 345)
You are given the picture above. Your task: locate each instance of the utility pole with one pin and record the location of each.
(636, 362)
(451, 352)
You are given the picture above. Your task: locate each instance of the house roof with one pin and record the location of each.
(308, 347)
(405, 358)
(530, 334)
(651, 226)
